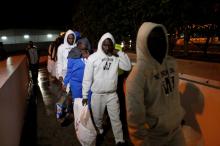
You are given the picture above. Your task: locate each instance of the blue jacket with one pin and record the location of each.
(74, 76)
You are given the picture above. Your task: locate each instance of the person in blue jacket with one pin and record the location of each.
(75, 70)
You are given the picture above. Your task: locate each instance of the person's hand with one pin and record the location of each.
(61, 79)
(64, 88)
(84, 101)
(115, 53)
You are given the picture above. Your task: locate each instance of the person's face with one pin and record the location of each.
(85, 53)
(29, 46)
(81, 46)
(107, 47)
(157, 44)
(70, 39)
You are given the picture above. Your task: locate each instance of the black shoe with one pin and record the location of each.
(99, 139)
(120, 144)
(35, 82)
(67, 121)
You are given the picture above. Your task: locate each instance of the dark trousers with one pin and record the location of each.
(34, 72)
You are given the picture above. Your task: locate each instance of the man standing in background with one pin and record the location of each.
(33, 60)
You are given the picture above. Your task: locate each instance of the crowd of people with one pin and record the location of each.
(150, 110)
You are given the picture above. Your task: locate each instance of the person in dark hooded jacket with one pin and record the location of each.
(154, 112)
(82, 44)
(33, 56)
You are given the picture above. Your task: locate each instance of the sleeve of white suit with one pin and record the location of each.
(59, 62)
(124, 61)
(87, 78)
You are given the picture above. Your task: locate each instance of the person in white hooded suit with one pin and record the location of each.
(101, 75)
(69, 42)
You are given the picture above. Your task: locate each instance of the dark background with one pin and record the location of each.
(92, 18)
(42, 14)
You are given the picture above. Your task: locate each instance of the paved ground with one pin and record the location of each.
(41, 127)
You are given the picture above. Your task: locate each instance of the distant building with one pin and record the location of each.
(15, 40)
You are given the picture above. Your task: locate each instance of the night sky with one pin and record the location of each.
(37, 14)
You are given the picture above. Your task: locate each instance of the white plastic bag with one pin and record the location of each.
(86, 132)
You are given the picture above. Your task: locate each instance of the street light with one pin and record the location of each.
(26, 36)
(49, 35)
(4, 37)
(130, 43)
(122, 44)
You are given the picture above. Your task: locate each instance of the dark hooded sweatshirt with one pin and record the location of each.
(75, 52)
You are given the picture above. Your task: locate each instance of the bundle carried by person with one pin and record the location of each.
(85, 131)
